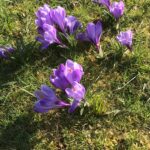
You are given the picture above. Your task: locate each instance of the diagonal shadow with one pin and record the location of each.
(16, 135)
(29, 54)
(21, 134)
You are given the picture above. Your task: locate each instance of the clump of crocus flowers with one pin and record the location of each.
(115, 8)
(53, 24)
(66, 77)
(5, 51)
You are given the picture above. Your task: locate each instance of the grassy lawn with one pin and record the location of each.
(118, 87)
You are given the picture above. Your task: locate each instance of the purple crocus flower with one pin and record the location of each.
(93, 34)
(103, 2)
(117, 9)
(77, 92)
(65, 75)
(58, 15)
(58, 78)
(43, 16)
(72, 24)
(125, 38)
(47, 100)
(49, 36)
(5, 51)
(73, 71)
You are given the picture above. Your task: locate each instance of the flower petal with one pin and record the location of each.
(74, 105)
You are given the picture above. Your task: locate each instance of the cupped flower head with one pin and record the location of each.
(65, 75)
(103, 2)
(117, 9)
(58, 78)
(58, 15)
(73, 71)
(50, 34)
(93, 33)
(77, 92)
(72, 24)
(125, 38)
(43, 16)
(47, 100)
(5, 51)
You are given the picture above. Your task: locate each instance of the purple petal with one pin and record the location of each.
(103, 2)
(74, 105)
(58, 78)
(58, 15)
(91, 32)
(45, 93)
(39, 108)
(5, 51)
(82, 37)
(69, 63)
(77, 91)
(59, 83)
(73, 71)
(72, 24)
(43, 16)
(94, 32)
(47, 100)
(125, 38)
(98, 31)
(50, 38)
(2, 53)
(45, 44)
(50, 34)
(43, 106)
(117, 9)
(39, 95)
(48, 92)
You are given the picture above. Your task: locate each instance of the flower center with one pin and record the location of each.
(74, 89)
(69, 70)
(53, 76)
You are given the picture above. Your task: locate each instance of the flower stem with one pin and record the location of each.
(117, 25)
(100, 51)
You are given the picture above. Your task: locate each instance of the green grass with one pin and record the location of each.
(118, 87)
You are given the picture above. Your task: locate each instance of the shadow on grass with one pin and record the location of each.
(17, 134)
(30, 53)
(22, 133)
(30, 129)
